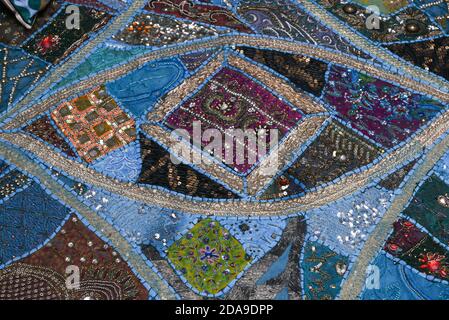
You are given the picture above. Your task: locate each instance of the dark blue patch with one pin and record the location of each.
(18, 62)
(27, 220)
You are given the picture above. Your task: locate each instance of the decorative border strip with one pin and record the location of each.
(315, 198)
(306, 104)
(313, 51)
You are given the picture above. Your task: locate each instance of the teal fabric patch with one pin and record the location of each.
(323, 272)
(101, 59)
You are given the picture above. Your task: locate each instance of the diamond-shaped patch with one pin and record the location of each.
(208, 256)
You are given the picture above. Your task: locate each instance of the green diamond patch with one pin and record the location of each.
(208, 256)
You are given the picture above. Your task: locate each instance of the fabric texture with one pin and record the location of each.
(26, 10)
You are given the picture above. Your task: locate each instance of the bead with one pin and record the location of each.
(412, 26)
(350, 8)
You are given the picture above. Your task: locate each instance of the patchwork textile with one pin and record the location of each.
(235, 149)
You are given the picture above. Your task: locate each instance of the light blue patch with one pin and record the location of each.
(138, 222)
(282, 295)
(139, 90)
(398, 282)
(262, 235)
(144, 224)
(331, 223)
(124, 164)
(225, 3)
